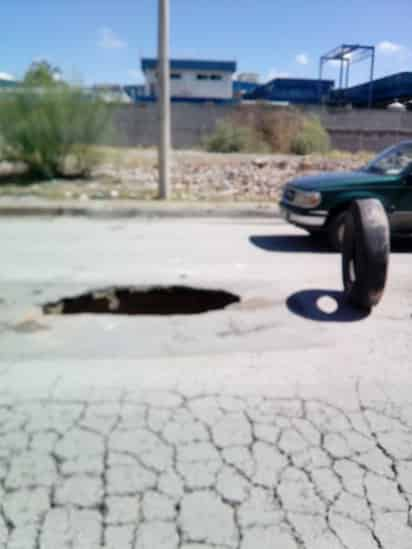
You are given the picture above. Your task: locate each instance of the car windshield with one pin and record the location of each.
(392, 161)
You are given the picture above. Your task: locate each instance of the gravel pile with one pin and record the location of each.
(236, 179)
(197, 176)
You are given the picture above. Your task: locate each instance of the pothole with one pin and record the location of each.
(138, 300)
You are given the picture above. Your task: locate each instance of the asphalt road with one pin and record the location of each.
(284, 421)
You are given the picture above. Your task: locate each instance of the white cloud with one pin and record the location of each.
(109, 39)
(389, 48)
(6, 76)
(302, 59)
(392, 58)
(274, 73)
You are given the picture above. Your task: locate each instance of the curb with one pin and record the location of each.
(129, 210)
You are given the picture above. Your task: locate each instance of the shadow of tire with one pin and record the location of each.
(307, 304)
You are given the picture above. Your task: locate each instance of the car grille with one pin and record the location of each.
(289, 195)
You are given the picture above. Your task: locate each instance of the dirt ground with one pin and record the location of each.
(196, 175)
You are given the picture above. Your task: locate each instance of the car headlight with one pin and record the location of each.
(307, 199)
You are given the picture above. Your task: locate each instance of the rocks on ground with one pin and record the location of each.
(195, 176)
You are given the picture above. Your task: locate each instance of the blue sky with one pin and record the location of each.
(101, 41)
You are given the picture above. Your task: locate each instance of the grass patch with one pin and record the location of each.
(231, 138)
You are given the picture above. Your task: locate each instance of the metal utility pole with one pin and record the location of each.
(163, 69)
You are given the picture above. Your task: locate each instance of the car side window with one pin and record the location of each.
(395, 161)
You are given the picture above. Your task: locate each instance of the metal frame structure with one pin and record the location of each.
(347, 54)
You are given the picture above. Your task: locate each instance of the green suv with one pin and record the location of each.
(319, 203)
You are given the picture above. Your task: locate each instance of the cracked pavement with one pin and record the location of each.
(174, 471)
(246, 428)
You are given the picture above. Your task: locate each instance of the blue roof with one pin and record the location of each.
(240, 86)
(384, 90)
(293, 90)
(192, 64)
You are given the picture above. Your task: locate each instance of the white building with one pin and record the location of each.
(251, 77)
(193, 78)
(7, 80)
(111, 93)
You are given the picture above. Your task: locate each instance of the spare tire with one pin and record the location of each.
(365, 253)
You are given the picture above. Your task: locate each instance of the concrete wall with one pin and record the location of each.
(366, 130)
(349, 130)
(137, 124)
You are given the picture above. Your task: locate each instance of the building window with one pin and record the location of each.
(215, 77)
(176, 76)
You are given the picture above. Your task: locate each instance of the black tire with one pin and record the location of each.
(335, 231)
(365, 253)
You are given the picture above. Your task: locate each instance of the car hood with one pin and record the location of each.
(335, 180)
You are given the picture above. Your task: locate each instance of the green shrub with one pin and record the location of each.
(275, 126)
(51, 130)
(312, 138)
(230, 138)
